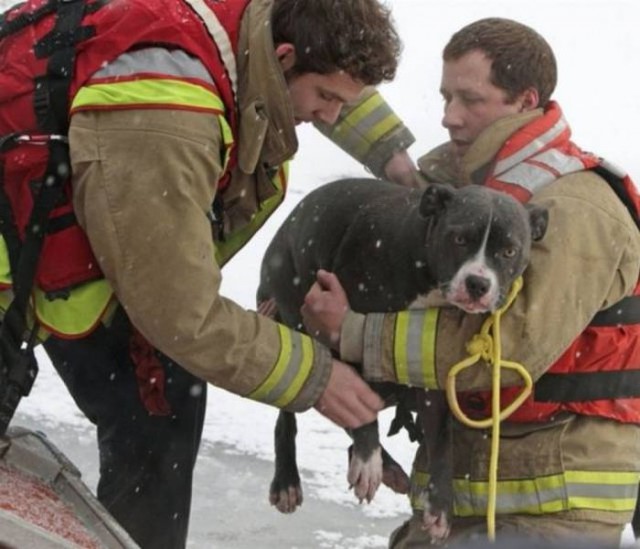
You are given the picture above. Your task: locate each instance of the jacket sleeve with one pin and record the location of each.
(143, 182)
(370, 131)
(588, 260)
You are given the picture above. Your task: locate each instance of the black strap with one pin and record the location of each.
(10, 25)
(18, 368)
(51, 94)
(617, 185)
(587, 386)
(626, 311)
(16, 346)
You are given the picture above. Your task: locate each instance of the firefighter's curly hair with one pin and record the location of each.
(355, 36)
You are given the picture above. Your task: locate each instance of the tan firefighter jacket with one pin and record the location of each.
(589, 259)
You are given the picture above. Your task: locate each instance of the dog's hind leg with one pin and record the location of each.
(365, 463)
(393, 475)
(433, 412)
(285, 491)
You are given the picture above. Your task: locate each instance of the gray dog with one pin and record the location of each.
(389, 246)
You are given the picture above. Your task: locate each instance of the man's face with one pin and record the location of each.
(472, 102)
(316, 97)
(320, 97)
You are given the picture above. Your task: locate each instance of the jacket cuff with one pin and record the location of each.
(381, 151)
(369, 131)
(352, 338)
(372, 356)
(317, 381)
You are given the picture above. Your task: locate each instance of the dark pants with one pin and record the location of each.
(146, 461)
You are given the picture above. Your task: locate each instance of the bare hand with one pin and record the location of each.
(401, 170)
(268, 308)
(347, 399)
(324, 309)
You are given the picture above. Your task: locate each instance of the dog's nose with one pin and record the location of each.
(477, 286)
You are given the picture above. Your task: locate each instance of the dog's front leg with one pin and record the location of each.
(365, 461)
(285, 491)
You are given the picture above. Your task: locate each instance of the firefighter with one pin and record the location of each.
(569, 458)
(142, 143)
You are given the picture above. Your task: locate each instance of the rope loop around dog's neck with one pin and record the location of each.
(487, 346)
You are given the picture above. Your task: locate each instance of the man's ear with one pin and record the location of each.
(529, 100)
(286, 54)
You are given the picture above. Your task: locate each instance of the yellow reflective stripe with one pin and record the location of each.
(71, 317)
(400, 347)
(364, 109)
(419, 483)
(364, 125)
(414, 347)
(227, 139)
(79, 313)
(235, 241)
(290, 371)
(5, 267)
(147, 92)
(596, 490)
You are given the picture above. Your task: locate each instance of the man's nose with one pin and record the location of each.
(453, 117)
(329, 113)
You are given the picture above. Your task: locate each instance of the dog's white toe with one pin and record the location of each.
(366, 476)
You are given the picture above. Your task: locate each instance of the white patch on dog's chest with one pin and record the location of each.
(433, 299)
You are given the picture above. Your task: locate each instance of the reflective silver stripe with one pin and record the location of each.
(414, 345)
(536, 172)
(537, 144)
(415, 356)
(289, 371)
(359, 128)
(616, 491)
(611, 167)
(559, 161)
(167, 62)
(219, 34)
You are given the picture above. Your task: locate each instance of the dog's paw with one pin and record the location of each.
(365, 476)
(286, 500)
(436, 526)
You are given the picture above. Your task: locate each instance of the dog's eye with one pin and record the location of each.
(509, 252)
(459, 240)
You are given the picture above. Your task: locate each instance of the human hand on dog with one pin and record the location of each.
(324, 309)
(401, 170)
(268, 308)
(347, 399)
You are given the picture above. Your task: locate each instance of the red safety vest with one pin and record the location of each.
(105, 30)
(599, 374)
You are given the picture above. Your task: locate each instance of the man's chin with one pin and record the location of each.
(460, 148)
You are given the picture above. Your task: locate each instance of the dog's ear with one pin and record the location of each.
(538, 219)
(435, 198)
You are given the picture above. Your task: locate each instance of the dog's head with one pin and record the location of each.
(478, 242)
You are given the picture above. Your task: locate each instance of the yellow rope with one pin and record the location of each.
(489, 348)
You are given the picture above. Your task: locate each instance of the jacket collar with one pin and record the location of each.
(266, 120)
(440, 164)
